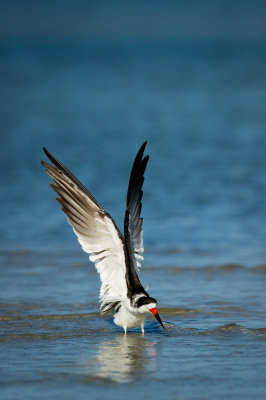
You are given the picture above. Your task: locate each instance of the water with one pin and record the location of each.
(54, 343)
(192, 82)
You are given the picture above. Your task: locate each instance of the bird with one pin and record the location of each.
(117, 258)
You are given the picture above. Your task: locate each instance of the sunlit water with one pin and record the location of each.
(92, 101)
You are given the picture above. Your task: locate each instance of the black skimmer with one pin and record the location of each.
(116, 258)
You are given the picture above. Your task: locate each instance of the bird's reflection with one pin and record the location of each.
(124, 358)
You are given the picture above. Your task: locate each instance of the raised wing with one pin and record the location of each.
(133, 221)
(96, 231)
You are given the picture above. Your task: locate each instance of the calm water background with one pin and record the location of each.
(91, 82)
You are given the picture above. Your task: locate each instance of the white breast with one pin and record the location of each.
(127, 319)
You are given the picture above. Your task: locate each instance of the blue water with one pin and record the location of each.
(92, 82)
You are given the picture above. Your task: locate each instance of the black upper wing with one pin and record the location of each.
(133, 220)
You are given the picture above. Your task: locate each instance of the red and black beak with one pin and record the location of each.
(156, 315)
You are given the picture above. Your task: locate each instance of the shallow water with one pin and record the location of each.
(55, 343)
(91, 83)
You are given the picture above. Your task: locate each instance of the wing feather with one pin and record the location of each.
(96, 231)
(133, 221)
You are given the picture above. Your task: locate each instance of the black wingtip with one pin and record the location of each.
(137, 176)
(56, 163)
(49, 155)
(142, 148)
(139, 156)
(45, 151)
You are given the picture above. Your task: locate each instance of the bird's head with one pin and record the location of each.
(148, 305)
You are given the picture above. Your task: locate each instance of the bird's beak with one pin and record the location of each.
(156, 315)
